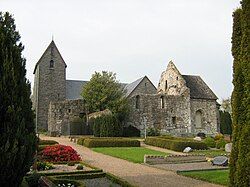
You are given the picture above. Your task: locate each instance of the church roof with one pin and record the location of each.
(129, 88)
(74, 89)
(198, 88)
(52, 43)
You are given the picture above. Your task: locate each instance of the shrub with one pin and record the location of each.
(218, 136)
(220, 143)
(173, 144)
(41, 166)
(202, 135)
(111, 142)
(79, 167)
(210, 142)
(153, 132)
(131, 131)
(80, 141)
(47, 142)
(71, 163)
(32, 180)
(59, 153)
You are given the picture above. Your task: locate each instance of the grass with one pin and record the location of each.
(210, 153)
(214, 176)
(133, 154)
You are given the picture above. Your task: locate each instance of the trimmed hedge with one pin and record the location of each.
(47, 142)
(176, 145)
(80, 141)
(111, 142)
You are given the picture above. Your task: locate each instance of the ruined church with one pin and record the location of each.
(180, 104)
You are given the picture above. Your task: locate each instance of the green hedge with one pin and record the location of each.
(47, 142)
(80, 141)
(111, 142)
(176, 145)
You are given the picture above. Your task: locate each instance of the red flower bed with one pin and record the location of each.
(59, 153)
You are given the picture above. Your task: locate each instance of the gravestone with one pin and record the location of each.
(228, 147)
(197, 138)
(220, 161)
(187, 150)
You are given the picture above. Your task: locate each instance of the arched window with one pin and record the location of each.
(166, 85)
(198, 119)
(137, 102)
(51, 64)
(162, 102)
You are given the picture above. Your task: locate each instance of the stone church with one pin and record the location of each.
(181, 104)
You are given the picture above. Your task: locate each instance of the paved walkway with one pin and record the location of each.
(136, 174)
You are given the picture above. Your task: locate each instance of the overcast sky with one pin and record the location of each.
(131, 37)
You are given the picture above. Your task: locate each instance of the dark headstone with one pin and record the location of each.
(220, 161)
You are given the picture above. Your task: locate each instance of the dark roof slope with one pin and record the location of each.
(129, 88)
(198, 88)
(74, 89)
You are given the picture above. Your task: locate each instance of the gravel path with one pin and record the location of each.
(136, 174)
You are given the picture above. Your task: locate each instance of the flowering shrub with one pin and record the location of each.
(59, 153)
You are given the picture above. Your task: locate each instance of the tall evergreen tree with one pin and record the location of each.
(17, 129)
(240, 156)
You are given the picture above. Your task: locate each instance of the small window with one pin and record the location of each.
(137, 102)
(51, 64)
(162, 102)
(166, 85)
(69, 110)
(177, 78)
(174, 120)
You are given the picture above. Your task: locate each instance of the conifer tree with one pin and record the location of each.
(17, 131)
(240, 156)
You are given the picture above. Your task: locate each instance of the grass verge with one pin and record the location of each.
(133, 154)
(214, 176)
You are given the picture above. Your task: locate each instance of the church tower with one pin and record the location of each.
(49, 84)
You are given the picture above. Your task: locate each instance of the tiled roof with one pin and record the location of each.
(198, 88)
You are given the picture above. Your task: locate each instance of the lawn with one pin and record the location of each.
(213, 176)
(133, 154)
(210, 153)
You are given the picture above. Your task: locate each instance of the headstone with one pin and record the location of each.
(220, 161)
(197, 138)
(228, 147)
(187, 150)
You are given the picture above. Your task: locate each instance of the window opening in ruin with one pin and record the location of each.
(198, 119)
(162, 102)
(137, 102)
(51, 64)
(177, 78)
(69, 110)
(166, 85)
(174, 120)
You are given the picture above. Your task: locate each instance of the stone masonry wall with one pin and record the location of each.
(208, 109)
(145, 87)
(173, 118)
(61, 113)
(50, 84)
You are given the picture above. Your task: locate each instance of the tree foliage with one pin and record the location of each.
(240, 156)
(102, 92)
(225, 123)
(17, 129)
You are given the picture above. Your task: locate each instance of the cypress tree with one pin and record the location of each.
(17, 129)
(240, 156)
